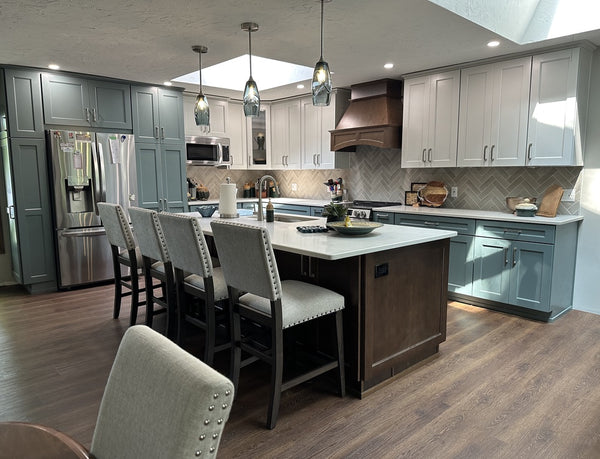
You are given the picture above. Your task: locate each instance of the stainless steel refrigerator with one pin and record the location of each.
(88, 168)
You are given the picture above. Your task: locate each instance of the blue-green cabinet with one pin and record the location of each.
(161, 176)
(29, 212)
(74, 101)
(24, 103)
(158, 115)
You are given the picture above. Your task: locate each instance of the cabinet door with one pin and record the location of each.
(149, 168)
(258, 129)
(442, 133)
(460, 265)
(415, 118)
(311, 134)
(279, 135)
(475, 116)
(110, 105)
(145, 111)
(238, 138)
(32, 223)
(510, 112)
(66, 100)
(553, 109)
(170, 109)
(24, 100)
(218, 117)
(531, 275)
(174, 178)
(491, 276)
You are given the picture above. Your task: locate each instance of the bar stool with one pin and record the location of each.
(272, 303)
(157, 265)
(196, 277)
(124, 252)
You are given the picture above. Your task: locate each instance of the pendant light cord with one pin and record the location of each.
(250, 47)
(200, 70)
(321, 30)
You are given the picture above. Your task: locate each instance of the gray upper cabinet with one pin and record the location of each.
(73, 101)
(24, 103)
(158, 115)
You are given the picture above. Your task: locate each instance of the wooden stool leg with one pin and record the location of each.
(149, 293)
(276, 376)
(236, 350)
(339, 331)
(209, 341)
(118, 280)
(135, 296)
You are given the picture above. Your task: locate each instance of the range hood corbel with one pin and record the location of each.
(374, 117)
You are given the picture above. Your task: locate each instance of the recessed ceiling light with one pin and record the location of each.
(300, 86)
(168, 83)
(493, 43)
(53, 66)
(389, 65)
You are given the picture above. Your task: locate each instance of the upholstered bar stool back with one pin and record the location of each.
(161, 402)
(124, 252)
(157, 265)
(257, 294)
(196, 277)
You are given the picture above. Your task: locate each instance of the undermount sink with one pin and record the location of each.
(291, 218)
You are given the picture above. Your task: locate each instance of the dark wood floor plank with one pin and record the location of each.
(500, 387)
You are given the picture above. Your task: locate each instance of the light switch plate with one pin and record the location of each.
(568, 195)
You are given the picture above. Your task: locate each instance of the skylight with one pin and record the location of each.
(232, 74)
(528, 21)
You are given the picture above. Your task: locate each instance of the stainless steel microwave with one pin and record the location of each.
(207, 151)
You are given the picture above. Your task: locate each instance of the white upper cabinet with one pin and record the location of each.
(285, 135)
(238, 137)
(258, 129)
(494, 102)
(218, 116)
(557, 108)
(430, 120)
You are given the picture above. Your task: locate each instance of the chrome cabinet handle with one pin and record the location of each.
(529, 151)
(423, 157)
(485, 152)
(383, 216)
(426, 223)
(505, 256)
(87, 114)
(10, 210)
(514, 256)
(429, 155)
(512, 231)
(94, 115)
(492, 153)
(156, 132)
(162, 133)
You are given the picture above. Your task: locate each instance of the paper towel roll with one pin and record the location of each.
(227, 200)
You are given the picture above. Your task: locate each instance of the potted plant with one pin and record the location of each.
(334, 212)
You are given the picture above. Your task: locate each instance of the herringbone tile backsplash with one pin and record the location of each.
(376, 174)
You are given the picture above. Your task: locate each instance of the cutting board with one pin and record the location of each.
(550, 201)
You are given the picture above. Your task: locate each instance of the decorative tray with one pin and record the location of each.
(357, 227)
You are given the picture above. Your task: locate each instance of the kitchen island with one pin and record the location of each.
(394, 281)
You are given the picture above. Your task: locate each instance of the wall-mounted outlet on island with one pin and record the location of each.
(294, 187)
(568, 195)
(454, 192)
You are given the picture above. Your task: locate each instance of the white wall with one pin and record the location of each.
(587, 274)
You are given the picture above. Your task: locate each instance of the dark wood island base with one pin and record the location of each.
(396, 303)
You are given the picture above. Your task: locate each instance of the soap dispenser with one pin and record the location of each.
(270, 211)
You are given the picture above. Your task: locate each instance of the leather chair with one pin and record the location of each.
(196, 278)
(157, 265)
(249, 265)
(124, 253)
(160, 401)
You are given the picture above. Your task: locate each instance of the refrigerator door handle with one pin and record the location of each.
(84, 233)
(96, 177)
(102, 173)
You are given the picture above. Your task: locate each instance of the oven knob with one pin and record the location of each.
(362, 214)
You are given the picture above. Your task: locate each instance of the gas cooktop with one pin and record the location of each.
(363, 208)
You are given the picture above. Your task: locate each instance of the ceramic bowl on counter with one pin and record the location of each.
(512, 201)
(206, 211)
(525, 209)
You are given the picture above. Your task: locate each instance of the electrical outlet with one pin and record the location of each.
(294, 187)
(568, 195)
(454, 192)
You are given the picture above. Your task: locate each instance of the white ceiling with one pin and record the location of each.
(150, 40)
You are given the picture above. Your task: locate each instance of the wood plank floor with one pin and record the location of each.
(501, 387)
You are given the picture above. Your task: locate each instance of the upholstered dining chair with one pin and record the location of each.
(196, 278)
(124, 253)
(160, 402)
(249, 265)
(157, 265)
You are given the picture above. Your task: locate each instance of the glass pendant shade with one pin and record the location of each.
(251, 98)
(202, 113)
(201, 108)
(321, 84)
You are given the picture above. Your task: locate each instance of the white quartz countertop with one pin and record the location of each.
(481, 215)
(332, 245)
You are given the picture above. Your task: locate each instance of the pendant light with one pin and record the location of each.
(321, 82)
(201, 108)
(251, 96)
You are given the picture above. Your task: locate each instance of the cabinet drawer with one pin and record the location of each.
(516, 231)
(384, 217)
(460, 225)
(316, 211)
(290, 209)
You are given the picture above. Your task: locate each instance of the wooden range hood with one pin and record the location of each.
(374, 117)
